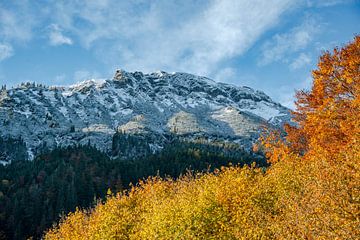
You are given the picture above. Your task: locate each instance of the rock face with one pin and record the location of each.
(157, 104)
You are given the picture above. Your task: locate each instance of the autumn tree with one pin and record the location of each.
(322, 152)
(326, 117)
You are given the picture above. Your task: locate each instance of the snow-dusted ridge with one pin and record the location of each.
(156, 103)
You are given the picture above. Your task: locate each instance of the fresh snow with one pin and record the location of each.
(264, 111)
(98, 106)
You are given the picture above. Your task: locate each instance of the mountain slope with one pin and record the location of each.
(158, 104)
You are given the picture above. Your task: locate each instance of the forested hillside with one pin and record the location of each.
(34, 194)
(311, 190)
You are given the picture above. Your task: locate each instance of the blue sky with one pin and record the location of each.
(270, 45)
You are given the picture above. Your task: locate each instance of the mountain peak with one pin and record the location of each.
(168, 103)
(120, 74)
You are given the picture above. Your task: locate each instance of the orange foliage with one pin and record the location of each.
(328, 115)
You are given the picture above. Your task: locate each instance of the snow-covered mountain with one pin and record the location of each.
(157, 104)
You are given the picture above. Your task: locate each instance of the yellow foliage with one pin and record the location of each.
(319, 198)
(311, 191)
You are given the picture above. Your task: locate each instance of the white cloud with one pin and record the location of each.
(302, 60)
(15, 26)
(149, 35)
(282, 46)
(192, 36)
(6, 51)
(56, 37)
(327, 3)
(221, 33)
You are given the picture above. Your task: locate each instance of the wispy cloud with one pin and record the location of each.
(6, 51)
(56, 36)
(149, 35)
(282, 46)
(146, 36)
(17, 26)
(302, 60)
(221, 33)
(327, 3)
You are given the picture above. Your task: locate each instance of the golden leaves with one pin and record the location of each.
(316, 198)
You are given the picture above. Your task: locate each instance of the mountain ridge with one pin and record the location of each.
(158, 103)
